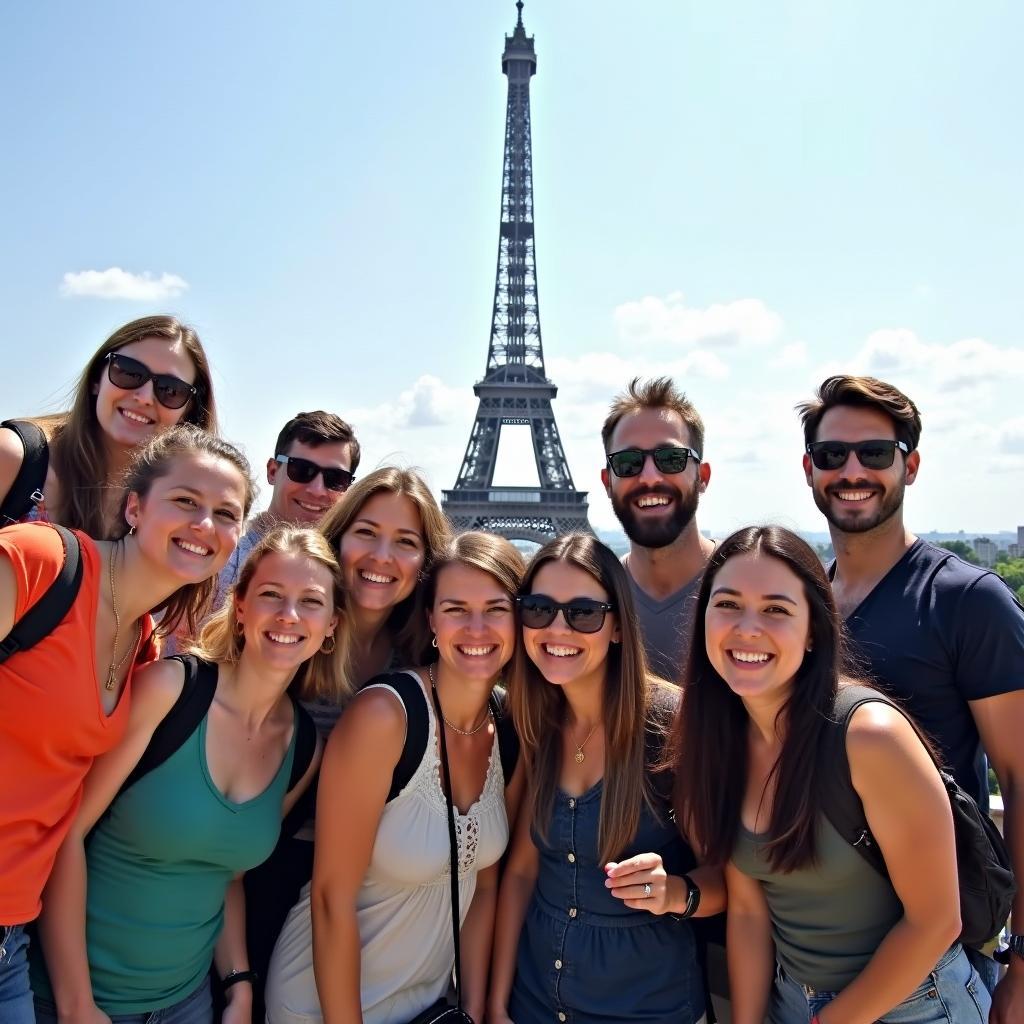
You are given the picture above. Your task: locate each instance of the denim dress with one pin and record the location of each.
(584, 956)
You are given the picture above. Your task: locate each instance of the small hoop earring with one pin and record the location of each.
(131, 530)
(433, 642)
(329, 645)
(239, 628)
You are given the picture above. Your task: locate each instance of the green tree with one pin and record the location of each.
(1020, 595)
(961, 548)
(1012, 571)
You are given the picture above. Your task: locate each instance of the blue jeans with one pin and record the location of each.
(951, 994)
(988, 969)
(194, 1009)
(15, 993)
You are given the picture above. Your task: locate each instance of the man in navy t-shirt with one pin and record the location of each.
(944, 636)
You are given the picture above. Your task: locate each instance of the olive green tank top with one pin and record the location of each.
(827, 919)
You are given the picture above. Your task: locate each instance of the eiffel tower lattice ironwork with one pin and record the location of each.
(515, 389)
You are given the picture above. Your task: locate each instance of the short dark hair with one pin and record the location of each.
(864, 393)
(317, 428)
(658, 393)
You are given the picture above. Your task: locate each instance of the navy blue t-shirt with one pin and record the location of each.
(936, 633)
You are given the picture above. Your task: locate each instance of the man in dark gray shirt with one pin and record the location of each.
(654, 475)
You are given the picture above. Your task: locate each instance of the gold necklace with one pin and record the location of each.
(579, 756)
(115, 669)
(455, 728)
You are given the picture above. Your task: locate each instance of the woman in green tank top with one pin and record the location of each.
(133, 921)
(814, 933)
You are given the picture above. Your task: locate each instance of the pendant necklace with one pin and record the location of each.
(579, 757)
(115, 669)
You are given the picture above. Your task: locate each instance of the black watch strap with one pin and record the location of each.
(234, 977)
(1014, 947)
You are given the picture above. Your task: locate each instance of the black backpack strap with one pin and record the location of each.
(508, 738)
(27, 489)
(49, 611)
(182, 720)
(305, 744)
(417, 725)
(839, 800)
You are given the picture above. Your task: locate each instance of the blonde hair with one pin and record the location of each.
(407, 622)
(77, 451)
(325, 675)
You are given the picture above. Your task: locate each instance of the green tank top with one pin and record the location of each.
(827, 919)
(158, 868)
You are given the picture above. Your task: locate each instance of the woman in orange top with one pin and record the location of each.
(65, 701)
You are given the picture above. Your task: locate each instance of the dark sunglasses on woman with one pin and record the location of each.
(129, 375)
(870, 454)
(668, 458)
(583, 614)
(302, 471)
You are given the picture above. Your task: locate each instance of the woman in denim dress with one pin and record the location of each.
(591, 921)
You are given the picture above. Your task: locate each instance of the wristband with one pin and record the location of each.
(234, 977)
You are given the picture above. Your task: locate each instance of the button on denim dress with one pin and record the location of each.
(584, 956)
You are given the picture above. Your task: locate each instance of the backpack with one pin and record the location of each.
(49, 611)
(27, 489)
(417, 725)
(986, 879)
(190, 709)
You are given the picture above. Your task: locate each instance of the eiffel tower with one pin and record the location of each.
(515, 389)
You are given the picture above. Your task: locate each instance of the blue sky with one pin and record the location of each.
(747, 196)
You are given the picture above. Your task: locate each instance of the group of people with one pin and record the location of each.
(331, 762)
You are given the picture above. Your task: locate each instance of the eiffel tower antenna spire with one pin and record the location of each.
(515, 389)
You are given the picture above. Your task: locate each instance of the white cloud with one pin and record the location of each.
(958, 366)
(115, 283)
(791, 357)
(1011, 436)
(427, 403)
(670, 321)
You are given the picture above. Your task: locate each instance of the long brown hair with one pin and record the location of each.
(190, 603)
(77, 451)
(325, 675)
(407, 622)
(538, 708)
(709, 746)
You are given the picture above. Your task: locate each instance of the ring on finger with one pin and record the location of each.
(647, 889)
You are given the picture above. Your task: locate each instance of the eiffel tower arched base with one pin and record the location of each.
(529, 514)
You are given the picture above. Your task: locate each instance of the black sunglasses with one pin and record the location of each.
(302, 471)
(130, 375)
(583, 614)
(667, 459)
(870, 454)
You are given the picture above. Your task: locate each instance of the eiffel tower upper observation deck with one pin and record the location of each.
(515, 388)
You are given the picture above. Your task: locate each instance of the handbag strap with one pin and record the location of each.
(452, 841)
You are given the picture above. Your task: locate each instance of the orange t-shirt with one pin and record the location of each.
(52, 723)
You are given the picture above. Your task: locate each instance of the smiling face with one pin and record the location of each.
(382, 552)
(563, 655)
(473, 621)
(305, 504)
(189, 522)
(287, 610)
(654, 507)
(757, 626)
(130, 418)
(852, 498)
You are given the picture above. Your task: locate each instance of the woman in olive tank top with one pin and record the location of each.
(132, 923)
(814, 933)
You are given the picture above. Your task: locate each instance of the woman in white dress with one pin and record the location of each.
(370, 940)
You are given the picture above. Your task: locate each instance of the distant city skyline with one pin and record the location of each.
(745, 197)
